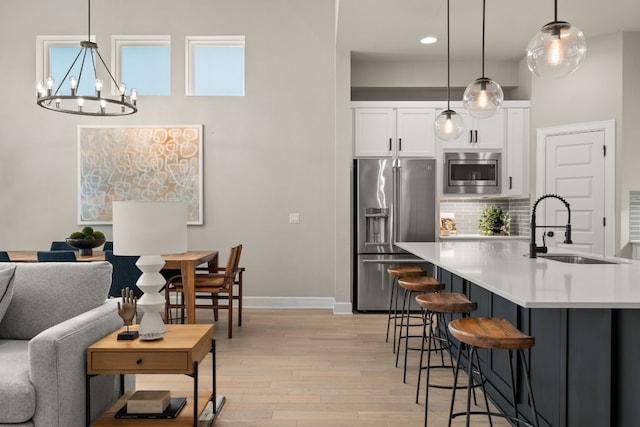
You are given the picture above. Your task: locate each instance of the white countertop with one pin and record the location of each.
(504, 268)
(461, 237)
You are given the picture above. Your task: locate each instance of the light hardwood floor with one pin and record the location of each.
(308, 368)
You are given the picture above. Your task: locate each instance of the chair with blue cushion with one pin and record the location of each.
(4, 257)
(56, 256)
(108, 246)
(60, 246)
(125, 274)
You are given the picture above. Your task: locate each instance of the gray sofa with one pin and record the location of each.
(55, 311)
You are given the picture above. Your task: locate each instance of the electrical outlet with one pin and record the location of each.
(294, 218)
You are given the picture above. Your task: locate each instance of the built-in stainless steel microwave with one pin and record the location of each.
(472, 173)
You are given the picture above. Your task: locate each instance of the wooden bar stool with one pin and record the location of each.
(437, 305)
(496, 334)
(396, 273)
(411, 286)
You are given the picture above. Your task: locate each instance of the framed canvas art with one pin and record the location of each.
(138, 163)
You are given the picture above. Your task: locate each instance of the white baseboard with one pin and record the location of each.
(296, 303)
(342, 308)
(288, 302)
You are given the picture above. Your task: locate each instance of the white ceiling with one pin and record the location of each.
(391, 29)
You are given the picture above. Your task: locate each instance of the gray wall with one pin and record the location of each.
(605, 87)
(266, 154)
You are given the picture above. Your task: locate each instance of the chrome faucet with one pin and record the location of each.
(534, 249)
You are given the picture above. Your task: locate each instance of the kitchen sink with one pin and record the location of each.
(575, 259)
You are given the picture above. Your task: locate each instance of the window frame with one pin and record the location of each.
(210, 41)
(43, 43)
(119, 41)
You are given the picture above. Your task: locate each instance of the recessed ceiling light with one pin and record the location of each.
(429, 40)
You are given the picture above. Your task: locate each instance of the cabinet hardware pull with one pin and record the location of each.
(510, 183)
(476, 136)
(471, 136)
(139, 361)
(390, 141)
(400, 144)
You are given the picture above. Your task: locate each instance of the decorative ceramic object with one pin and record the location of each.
(86, 240)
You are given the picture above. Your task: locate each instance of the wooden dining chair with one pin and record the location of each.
(60, 246)
(218, 285)
(125, 274)
(56, 256)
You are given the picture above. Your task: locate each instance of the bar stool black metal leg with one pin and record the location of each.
(392, 288)
(482, 381)
(513, 384)
(404, 302)
(425, 313)
(406, 339)
(455, 382)
(528, 378)
(426, 391)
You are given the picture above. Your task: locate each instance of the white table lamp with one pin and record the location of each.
(148, 230)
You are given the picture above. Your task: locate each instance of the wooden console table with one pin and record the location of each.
(181, 351)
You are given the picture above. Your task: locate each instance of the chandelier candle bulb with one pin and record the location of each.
(99, 84)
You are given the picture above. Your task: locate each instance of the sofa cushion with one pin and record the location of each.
(17, 395)
(6, 287)
(45, 294)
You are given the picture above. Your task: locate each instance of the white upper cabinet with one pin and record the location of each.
(374, 131)
(479, 133)
(389, 132)
(516, 170)
(415, 132)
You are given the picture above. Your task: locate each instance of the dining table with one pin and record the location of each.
(185, 262)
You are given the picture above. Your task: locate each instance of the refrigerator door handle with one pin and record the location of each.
(396, 201)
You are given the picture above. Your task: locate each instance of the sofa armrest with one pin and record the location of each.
(57, 361)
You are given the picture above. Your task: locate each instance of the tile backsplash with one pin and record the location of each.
(467, 213)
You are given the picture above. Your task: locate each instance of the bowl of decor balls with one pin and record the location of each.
(86, 240)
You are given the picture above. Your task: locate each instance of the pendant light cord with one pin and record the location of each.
(483, 20)
(448, 62)
(88, 20)
(555, 11)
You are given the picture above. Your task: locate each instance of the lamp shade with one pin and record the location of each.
(482, 98)
(149, 228)
(449, 125)
(556, 51)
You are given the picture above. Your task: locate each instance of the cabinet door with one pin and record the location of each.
(491, 131)
(466, 138)
(479, 133)
(374, 132)
(516, 177)
(415, 132)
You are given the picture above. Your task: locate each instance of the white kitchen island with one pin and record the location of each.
(585, 366)
(504, 268)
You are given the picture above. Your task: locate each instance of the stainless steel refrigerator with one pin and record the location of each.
(394, 202)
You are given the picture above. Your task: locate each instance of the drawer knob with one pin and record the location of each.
(139, 361)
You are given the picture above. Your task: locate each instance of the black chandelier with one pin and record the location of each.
(87, 105)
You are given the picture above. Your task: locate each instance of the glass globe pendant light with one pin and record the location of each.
(484, 96)
(448, 124)
(557, 50)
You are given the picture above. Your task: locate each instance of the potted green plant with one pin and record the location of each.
(493, 221)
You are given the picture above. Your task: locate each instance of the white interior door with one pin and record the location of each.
(575, 170)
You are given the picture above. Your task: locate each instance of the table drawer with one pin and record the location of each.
(141, 362)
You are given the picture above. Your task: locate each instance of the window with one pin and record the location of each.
(215, 65)
(143, 62)
(54, 56)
